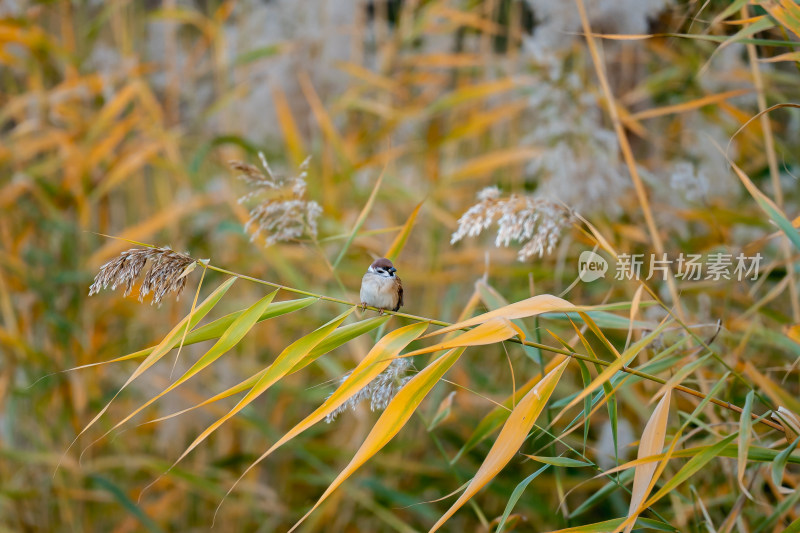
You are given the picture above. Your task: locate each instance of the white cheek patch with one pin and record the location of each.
(382, 273)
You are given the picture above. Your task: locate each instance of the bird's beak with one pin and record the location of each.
(393, 270)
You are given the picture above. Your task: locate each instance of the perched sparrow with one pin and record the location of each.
(380, 287)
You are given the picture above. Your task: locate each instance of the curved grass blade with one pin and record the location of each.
(637, 298)
(497, 416)
(531, 306)
(788, 505)
(516, 495)
(471, 93)
(740, 36)
(690, 468)
(400, 241)
(774, 391)
(343, 151)
(379, 357)
(603, 319)
(610, 397)
(362, 217)
(495, 330)
(688, 105)
(393, 419)
(587, 408)
(731, 10)
(172, 338)
(292, 137)
(214, 329)
(511, 437)
(745, 440)
(279, 368)
(599, 334)
(786, 12)
(482, 121)
(119, 495)
(337, 338)
(768, 206)
(600, 527)
(495, 300)
(682, 373)
(616, 365)
(204, 149)
(698, 460)
(598, 237)
(232, 336)
(779, 464)
(790, 422)
(600, 494)
(257, 53)
(609, 526)
(443, 412)
(565, 462)
(486, 163)
(652, 442)
(756, 454)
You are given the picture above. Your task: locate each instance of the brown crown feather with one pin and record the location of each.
(382, 263)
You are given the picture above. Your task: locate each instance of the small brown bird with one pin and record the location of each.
(380, 287)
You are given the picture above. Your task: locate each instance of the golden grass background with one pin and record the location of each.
(120, 118)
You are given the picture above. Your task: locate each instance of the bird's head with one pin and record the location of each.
(382, 267)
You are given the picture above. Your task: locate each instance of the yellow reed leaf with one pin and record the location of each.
(688, 106)
(377, 360)
(535, 305)
(291, 133)
(651, 443)
(511, 437)
(487, 163)
(393, 419)
(497, 329)
(401, 238)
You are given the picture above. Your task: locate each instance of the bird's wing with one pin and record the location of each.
(399, 294)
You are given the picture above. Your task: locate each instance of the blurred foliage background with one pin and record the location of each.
(120, 118)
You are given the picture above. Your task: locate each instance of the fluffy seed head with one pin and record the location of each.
(280, 212)
(536, 223)
(379, 391)
(167, 272)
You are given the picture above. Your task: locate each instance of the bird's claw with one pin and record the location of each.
(363, 307)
